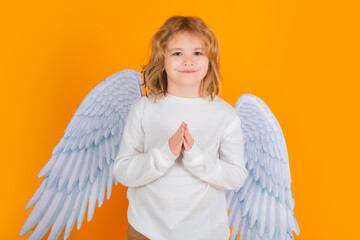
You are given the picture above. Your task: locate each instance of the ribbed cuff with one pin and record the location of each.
(193, 158)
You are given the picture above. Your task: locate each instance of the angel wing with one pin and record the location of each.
(81, 164)
(263, 207)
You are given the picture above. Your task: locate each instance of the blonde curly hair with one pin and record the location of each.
(155, 77)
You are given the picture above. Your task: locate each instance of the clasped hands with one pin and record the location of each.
(181, 140)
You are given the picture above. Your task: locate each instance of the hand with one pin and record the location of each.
(176, 141)
(188, 141)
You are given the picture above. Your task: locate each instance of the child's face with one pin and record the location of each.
(185, 52)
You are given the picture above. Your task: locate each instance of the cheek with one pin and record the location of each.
(171, 64)
(205, 64)
(168, 61)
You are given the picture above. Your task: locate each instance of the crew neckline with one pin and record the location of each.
(178, 99)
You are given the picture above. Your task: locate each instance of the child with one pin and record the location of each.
(182, 146)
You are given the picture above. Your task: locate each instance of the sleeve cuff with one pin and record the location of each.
(193, 158)
(166, 152)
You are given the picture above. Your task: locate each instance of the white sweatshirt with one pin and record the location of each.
(180, 197)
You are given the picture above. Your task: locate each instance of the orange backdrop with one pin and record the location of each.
(300, 57)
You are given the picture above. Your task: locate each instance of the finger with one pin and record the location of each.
(183, 143)
(179, 131)
(188, 141)
(186, 145)
(187, 134)
(180, 137)
(178, 134)
(182, 132)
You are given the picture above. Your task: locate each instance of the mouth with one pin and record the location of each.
(188, 71)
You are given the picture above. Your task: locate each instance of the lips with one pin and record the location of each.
(188, 71)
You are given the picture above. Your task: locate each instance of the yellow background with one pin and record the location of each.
(300, 57)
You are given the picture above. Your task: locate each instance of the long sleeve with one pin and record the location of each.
(226, 172)
(133, 167)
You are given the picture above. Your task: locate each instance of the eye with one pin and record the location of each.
(178, 53)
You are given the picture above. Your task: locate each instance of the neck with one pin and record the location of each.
(186, 92)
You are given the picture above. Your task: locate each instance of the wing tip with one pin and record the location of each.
(23, 231)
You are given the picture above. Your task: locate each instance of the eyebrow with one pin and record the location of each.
(183, 49)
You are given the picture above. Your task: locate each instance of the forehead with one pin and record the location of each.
(184, 39)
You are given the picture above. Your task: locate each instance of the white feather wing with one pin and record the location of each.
(263, 207)
(81, 164)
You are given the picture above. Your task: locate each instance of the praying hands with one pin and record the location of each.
(181, 140)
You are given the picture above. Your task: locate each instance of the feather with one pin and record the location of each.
(48, 218)
(262, 213)
(37, 194)
(85, 171)
(99, 153)
(76, 170)
(94, 160)
(74, 213)
(63, 215)
(102, 187)
(247, 204)
(272, 217)
(283, 222)
(255, 207)
(65, 174)
(38, 211)
(93, 197)
(107, 152)
(48, 166)
(58, 167)
(83, 205)
(109, 181)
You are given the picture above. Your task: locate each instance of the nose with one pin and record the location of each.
(188, 61)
